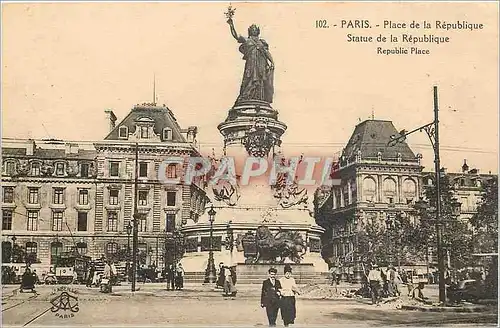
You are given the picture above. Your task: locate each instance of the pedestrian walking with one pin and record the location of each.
(229, 289)
(114, 273)
(391, 276)
(333, 275)
(375, 279)
(90, 276)
(220, 276)
(171, 276)
(270, 296)
(179, 277)
(108, 287)
(288, 291)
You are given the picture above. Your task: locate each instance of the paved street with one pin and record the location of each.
(200, 305)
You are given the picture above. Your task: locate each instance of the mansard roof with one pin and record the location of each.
(371, 137)
(161, 116)
(48, 153)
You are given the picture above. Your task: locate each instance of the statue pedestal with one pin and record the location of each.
(304, 273)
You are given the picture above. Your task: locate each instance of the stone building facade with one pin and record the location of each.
(59, 196)
(377, 183)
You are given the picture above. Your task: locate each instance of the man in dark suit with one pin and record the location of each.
(270, 296)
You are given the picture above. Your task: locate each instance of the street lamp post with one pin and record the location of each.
(210, 272)
(230, 240)
(129, 232)
(432, 130)
(14, 238)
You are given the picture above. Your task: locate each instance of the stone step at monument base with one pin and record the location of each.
(257, 278)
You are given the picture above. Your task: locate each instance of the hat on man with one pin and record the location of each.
(288, 268)
(272, 270)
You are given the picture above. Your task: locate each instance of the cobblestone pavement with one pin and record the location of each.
(202, 306)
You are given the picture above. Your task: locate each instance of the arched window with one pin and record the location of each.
(389, 190)
(81, 247)
(35, 169)
(369, 189)
(10, 167)
(111, 248)
(6, 251)
(56, 248)
(31, 252)
(172, 171)
(31, 247)
(409, 190)
(142, 252)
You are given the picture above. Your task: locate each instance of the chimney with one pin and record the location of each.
(111, 119)
(30, 147)
(465, 167)
(191, 133)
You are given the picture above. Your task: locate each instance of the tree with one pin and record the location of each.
(456, 238)
(394, 241)
(485, 220)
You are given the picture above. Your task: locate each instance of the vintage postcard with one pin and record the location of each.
(249, 163)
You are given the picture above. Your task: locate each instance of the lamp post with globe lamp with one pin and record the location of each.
(210, 272)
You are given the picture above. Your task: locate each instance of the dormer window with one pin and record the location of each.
(167, 134)
(35, 169)
(144, 132)
(60, 169)
(123, 132)
(10, 167)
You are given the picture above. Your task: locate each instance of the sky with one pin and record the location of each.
(64, 64)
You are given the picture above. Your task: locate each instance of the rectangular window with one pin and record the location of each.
(142, 224)
(114, 169)
(58, 196)
(84, 170)
(144, 132)
(390, 200)
(6, 220)
(35, 169)
(216, 243)
(170, 224)
(60, 169)
(8, 194)
(82, 221)
(143, 170)
(167, 134)
(123, 132)
(112, 221)
(113, 197)
(57, 221)
(83, 197)
(32, 221)
(143, 197)
(171, 198)
(33, 196)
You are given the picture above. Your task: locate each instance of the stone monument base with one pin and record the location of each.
(304, 273)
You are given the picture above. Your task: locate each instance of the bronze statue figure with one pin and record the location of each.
(257, 82)
(279, 247)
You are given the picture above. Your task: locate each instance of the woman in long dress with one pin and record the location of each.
(288, 291)
(257, 82)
